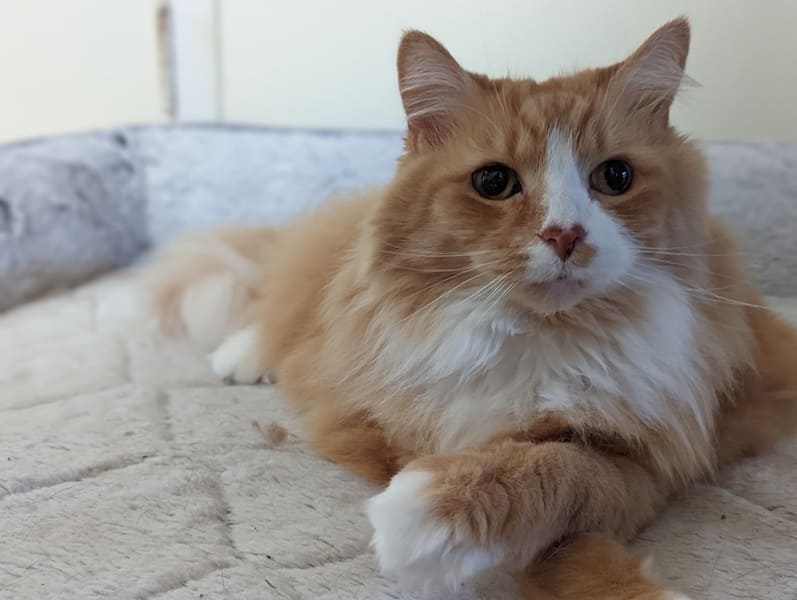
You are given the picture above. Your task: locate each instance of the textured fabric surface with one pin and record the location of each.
(70, 208)
(198, 177)
(129, 472)
(74, 206)
(754, 186)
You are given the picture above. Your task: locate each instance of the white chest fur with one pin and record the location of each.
(484, 378)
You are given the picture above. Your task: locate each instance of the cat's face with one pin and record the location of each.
(540, 195)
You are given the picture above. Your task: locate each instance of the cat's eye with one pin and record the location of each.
(496, 182)
(612, 177)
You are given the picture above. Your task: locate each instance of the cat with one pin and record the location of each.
(533, 336)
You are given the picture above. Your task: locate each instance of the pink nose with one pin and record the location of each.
(563, 241)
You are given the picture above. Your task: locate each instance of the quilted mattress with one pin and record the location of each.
(128, 471)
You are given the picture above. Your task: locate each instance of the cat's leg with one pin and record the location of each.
(241, 357)
(445, 518)
(592, 567)
(208, 287)
(762, 409)
(355, 442)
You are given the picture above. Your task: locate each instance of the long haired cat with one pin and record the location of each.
(534, 335)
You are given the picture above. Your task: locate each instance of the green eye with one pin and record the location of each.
(496, 182)
(612, 177)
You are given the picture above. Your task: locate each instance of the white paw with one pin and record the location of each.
(238, 359)
(675, 596)
(416, 547)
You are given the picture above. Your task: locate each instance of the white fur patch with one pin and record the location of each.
(414, 546)
(568, 203)
(565, 196)
(239, 359)
(477, 374)
(650, 372)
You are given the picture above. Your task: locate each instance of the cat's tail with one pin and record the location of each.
(205, 286)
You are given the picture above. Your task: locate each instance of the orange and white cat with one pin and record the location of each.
(534, 334)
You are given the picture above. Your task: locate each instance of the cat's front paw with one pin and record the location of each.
(239, 358)
(413, 541)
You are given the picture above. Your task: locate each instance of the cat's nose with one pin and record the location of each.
(563, 240)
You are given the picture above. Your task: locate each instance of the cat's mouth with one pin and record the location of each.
(558, 294)
(560, 286)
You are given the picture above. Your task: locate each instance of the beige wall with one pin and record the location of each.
(330, 63)
(69, 65)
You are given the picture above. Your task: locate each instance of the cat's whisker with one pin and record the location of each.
(693, 255)
(429, 305)
(706, 294)
(488, 288)
(687, 247)
(506, 289)
(402, 252)
(463, 270)
(730, 301)
(448, 279)
(654, 262)
(497, 286)
(683, 282)
(500, 99)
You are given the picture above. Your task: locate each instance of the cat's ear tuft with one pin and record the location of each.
(432, 85)
(650, 78)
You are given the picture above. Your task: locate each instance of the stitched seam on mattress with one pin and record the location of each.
(82, 475)
(222, 497)
(792, 521)
(758, 508)
(184, 581)
(326, 563)
(69, 396)
(172, 388)
(162, 400)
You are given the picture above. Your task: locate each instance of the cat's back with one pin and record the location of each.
(306, 257)
(311, 248)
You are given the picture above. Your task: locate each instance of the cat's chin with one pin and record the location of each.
(557, 295)
(560, 287)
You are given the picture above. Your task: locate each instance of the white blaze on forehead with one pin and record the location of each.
(567, 202)
(565, 195)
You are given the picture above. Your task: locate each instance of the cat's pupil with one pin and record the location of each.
(616, 174)
(494, 180)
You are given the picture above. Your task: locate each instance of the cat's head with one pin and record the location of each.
(540, 194)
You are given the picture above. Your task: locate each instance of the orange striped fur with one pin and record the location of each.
(514, 401)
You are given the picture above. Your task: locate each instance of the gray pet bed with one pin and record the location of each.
(75, 206)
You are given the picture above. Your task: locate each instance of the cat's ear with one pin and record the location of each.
(647, 82)
(432, 85)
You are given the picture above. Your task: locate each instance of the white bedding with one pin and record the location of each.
(127, 471)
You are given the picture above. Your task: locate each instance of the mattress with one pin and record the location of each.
(128, 471)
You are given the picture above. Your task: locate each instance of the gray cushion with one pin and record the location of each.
(201, 176)
(70, 208)
(754, 186)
